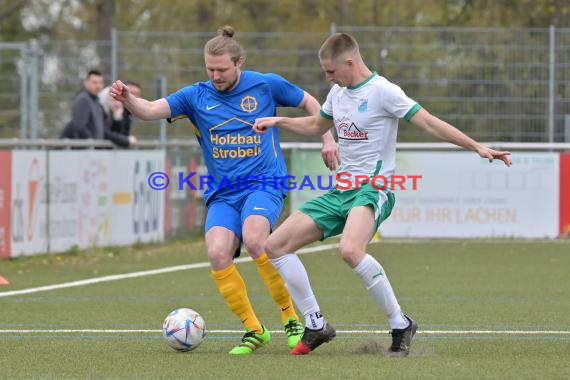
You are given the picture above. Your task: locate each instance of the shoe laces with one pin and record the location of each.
(251, 337)
(293, 328)
(252, 334)
(248, 334)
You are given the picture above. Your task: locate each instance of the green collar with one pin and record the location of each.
(363, 82)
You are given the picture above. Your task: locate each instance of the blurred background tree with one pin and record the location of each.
(92, 19)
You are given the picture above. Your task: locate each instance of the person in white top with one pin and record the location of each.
(364, 108)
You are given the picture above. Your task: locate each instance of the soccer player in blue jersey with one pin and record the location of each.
(242, 205)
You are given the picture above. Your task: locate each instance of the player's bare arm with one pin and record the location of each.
(314, 125)
(444, 131)
(329, 150)
(139, 107)
(309, 104)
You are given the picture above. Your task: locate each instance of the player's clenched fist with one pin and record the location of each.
(119, 91)
(263, 123)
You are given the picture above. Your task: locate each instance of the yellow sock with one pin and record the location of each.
(233, 290)
(276, 287)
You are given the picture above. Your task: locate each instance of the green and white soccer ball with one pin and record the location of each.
(184, 329)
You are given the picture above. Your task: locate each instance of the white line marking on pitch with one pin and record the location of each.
(426, 332)
(124, 276)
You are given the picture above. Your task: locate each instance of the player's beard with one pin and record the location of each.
(229, 87)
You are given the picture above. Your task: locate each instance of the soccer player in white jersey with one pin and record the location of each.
(364, 108)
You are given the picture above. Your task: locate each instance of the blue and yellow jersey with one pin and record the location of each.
(223, 125)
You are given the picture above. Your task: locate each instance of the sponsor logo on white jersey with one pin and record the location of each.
(351, 132)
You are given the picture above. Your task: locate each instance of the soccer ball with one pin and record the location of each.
(184, 329)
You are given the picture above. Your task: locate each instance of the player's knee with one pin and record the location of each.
(219, 256)
(255, 245)
(350, 253)
(273, 247)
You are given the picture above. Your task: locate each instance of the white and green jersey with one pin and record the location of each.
(366, 121)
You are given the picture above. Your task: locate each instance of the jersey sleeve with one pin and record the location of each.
(182, 103)
(284, 93)
(398, 104)
(327, 107)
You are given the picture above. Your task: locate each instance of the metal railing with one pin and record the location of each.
(496, 84)
(16, 143)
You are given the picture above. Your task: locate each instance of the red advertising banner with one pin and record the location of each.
(565, 194)
(5, 202)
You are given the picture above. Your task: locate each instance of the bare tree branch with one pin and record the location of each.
(12, 8)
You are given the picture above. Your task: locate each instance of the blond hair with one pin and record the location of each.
(337, 45)
(225, 43)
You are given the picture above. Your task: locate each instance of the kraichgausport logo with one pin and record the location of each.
(344, 181)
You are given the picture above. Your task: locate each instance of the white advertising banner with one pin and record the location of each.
(137, 209)
(80, 199)
(28, 214)
(96, 198)
(461, 195)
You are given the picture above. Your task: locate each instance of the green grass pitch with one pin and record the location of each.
(446, 286)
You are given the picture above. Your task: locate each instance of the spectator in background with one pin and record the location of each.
(88, 117)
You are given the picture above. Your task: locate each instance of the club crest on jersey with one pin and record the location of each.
(351, 132)
(248, 104)
(363, 106)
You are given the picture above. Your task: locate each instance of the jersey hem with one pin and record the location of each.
(326, 115)
(415, 108)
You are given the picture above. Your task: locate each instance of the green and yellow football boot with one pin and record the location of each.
(294, 330)
(251, 341)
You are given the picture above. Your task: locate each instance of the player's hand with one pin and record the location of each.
(330, 154)
(119, 91)
(492, 154)
(263, 123)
